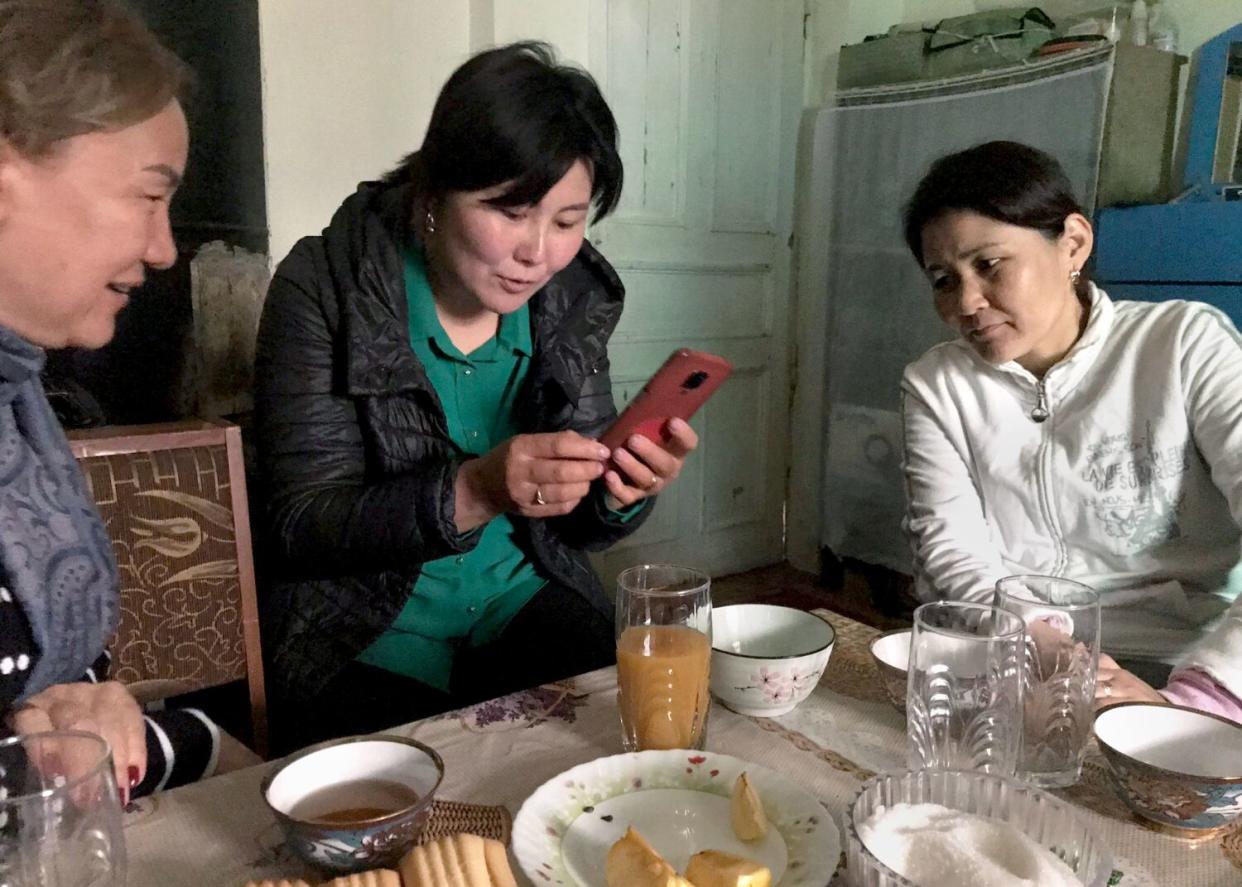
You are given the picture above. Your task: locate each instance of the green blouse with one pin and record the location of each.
(466, 600)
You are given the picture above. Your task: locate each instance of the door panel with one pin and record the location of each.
(735, 488)
(707, 95)
(748, 118)
(654, 156)
(661, 305)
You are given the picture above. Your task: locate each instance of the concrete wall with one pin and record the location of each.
(1201, 20)
(346, 96)
(832, 24)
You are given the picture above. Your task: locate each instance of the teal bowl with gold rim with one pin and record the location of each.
(354, 803)
(1177, 769)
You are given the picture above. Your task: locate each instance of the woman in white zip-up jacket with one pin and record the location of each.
(1064, 433)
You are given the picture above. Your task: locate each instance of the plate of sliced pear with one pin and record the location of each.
(674, 819)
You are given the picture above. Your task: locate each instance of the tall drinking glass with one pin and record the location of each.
(60, 821)
(1062, 656)
(964, 692)
(664, 648)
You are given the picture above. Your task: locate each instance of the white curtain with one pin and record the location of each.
(869, 153)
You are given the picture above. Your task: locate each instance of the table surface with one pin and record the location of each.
(218, 833)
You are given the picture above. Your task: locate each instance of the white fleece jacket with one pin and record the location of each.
(1132, 485)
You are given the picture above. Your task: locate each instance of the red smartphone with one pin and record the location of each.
(677, 390)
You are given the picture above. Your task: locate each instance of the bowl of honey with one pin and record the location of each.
(354, 803)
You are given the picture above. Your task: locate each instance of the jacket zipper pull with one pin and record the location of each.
(1040, 413)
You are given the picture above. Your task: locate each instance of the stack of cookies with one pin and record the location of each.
(456, 861)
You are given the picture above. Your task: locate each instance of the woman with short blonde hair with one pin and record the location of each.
(93, 145)
(69, 68)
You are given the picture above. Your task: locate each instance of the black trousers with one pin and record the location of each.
(557, 635)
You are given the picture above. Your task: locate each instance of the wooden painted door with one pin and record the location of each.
(707, 95)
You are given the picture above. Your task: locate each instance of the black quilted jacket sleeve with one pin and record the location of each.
(324, 515)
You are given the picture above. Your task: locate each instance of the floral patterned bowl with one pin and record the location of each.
(1176, 768)
(309, 791)
(767, 659)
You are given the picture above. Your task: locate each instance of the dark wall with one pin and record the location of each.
(139, 377)
(223, 194)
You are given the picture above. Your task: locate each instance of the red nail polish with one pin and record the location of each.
(133, 777)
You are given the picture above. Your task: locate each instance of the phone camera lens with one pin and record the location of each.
(694, 380)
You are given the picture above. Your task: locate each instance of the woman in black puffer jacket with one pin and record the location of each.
(432, 374)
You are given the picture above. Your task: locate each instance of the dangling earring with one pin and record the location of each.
(429, 223)
(1075, 276)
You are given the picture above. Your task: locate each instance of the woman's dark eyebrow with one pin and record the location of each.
(965, 254)
(163, 169)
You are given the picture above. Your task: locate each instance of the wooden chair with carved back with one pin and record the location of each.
(173, 497)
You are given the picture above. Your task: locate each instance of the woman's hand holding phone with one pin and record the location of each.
(534, 475)
(651, 439)
(644, 468)
(547, 475)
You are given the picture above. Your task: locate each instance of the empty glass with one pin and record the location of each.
(664, 650)
(964, 691)
(60, 814)
(1062, 656)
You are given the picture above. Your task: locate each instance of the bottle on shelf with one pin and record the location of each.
(1161, 27)
(1136, 31)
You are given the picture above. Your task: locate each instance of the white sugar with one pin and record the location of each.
(933, 845)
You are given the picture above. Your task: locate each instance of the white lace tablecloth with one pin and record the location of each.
(218, 833)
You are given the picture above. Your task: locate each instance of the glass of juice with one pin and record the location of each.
(664, 648)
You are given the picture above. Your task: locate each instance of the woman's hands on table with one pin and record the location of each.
(1114, 684)
(1055, 647)
(1054, 651)
(107, 710)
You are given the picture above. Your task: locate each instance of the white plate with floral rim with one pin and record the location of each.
(679, 801)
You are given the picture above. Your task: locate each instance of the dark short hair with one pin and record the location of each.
(515, 114)
(1006, 181)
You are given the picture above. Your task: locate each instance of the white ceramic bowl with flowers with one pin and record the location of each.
(766, 659)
